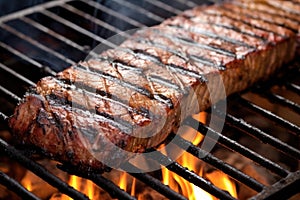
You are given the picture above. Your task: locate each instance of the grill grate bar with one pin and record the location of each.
(11, 95)
(110, 187)
(35, 43)
(54, 34)
(19, 54)
(191, 176)
(286, 102)
(114, 13)
(3, 117)
(283, 189)
(28, 59)
(95, 20)
(15, 186)
(245, 127)
(140, 10)
(164, 6)
(154, 183)
(16, 74)
(290, 126)
(219, 164)
(228, 143)
(293, 87)
(30, 10)
(277, 98)
(40, 171)
(78, 28)
(188, 3)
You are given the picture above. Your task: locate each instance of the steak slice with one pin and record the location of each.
(103, 111)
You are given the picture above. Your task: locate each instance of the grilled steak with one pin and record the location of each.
(130, 98)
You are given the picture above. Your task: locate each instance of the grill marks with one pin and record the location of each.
(180, 47)
(265, 32)
(180, 40)
(212, 35)
(267, 9)
(256, 24)
(189, 44)
(266, 17)
(88, 83)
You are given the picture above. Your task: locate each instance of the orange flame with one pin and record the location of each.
(85, 186)
(123, 181)
(26, 182)
(192, 192)
(132, 193)
(222, 181)
(174, 181)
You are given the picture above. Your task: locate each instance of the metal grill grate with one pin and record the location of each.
(35, 41)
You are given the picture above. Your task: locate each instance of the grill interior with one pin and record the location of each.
(261, 124)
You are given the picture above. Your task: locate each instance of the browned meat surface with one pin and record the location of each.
(132, 97)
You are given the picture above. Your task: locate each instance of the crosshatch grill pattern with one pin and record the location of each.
(36, 40)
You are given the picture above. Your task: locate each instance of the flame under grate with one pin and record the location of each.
(35, 41)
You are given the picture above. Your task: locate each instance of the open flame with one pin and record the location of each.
(87, 187)
(222, 181)
(174, 181)
(27, 183)
(186, 188)
(179, 184)
(123, 181)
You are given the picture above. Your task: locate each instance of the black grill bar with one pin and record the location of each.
(26, 58)
(191, 176)
(219, 164)
(114, 13)
(54, 34)
(114, 190)
(110, 187)
(78, 28)
(286, 102)
(290, 184)
(188, 3)
(247, 128)
(95, 20)
(293, 87)
(40, 171)
(99, 180)
(277, 98)
(13, 97)
(17, 75)
(140, 10)
(35, 43)
(290, 126)
(153, 183)
(164, 6)
(228, 143)
(3, 117)
(16, 187)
